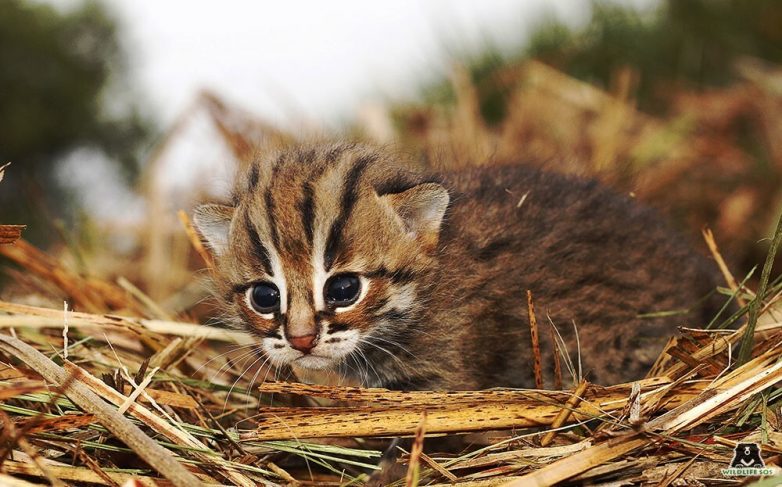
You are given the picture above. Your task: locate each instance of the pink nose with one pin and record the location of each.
(303, 343)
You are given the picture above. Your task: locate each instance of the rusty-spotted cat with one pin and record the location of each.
(339, 257)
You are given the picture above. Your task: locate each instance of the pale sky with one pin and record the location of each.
(289, 62)
(319, 59)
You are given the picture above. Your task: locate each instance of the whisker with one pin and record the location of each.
(234, 349)
(397, 359)
(252, 383)
(227, 396)
(369, 365)
(392, 343)
(230, 364)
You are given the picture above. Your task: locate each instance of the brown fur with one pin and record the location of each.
(446, 306)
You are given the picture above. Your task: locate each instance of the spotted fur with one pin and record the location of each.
(444, 262)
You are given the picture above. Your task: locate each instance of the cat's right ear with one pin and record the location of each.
(421, 210)
(213, 223)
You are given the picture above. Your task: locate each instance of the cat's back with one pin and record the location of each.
(498, 210)
(589, 255)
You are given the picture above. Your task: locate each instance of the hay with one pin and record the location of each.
(188, 411)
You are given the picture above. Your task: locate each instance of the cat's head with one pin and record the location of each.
(323, 251)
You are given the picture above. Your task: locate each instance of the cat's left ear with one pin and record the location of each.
(213, 222)
(421, 210)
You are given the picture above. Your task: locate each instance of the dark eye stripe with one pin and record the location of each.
(253, 177)
(397, 276)
(394, 315)
(307, 210)
(337, 327)
(269, 201)
(274, 334)
(349, 197)
(378, 305)
(257, 246)
(306, 205)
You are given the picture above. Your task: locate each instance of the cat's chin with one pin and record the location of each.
(314, 362)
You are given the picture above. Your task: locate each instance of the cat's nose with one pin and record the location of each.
(303, 343)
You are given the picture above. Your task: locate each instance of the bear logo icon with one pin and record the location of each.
(747, 455)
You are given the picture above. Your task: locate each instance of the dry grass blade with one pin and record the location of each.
(82, 292)
(563, 415)
(148, 330)
(9, 481)
(79, 474)
(708, 236)
(533, 331)
(156, 456)
(557, 359)
(195, 240)
(9, 392)
(438, 468)
(413, 468)
(62, 423)
(754, 307)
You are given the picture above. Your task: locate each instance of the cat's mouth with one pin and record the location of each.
(317, 362)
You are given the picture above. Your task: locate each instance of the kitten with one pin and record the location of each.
(338, 258)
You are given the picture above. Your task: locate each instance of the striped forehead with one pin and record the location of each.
(298, 204)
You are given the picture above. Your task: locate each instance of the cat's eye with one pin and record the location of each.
(342, 290)
(264, 297)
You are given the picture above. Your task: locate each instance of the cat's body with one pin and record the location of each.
(340, 259)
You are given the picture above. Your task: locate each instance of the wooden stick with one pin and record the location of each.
(533, 330)
(442, 416)
(385, 397)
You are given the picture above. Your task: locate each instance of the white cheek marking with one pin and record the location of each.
(364, 289)
(402, 298)
(346, 342)
(279, 355)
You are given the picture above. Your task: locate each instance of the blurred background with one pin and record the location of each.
(115, 115)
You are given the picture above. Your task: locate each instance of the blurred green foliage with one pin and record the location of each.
(60, 72)
(690, 44)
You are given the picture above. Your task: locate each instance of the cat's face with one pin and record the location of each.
(322, 251)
